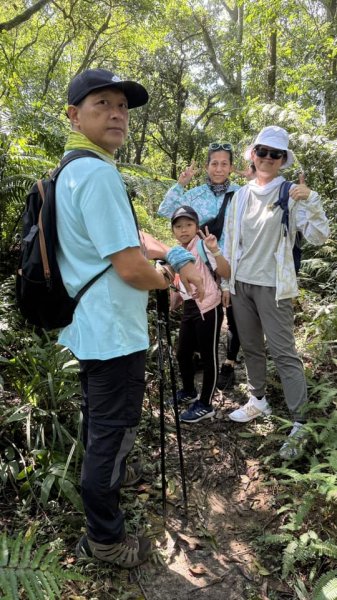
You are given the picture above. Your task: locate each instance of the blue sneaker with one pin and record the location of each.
(197, 412)
(183, 396)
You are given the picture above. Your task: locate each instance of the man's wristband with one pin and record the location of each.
(217, 253)
(178, 257)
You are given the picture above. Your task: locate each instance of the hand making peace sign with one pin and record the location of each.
(186, 176)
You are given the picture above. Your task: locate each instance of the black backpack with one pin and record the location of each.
(41, 296)
(215, 225)
(283, 203)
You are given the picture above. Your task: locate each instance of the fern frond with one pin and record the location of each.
(38, 557)
(325, 549)
(51, 581)
(40, 575)
(13, 585)
(289, 557)
(276, 538)
(5, 585)
(326, 587)
(50, 587)
(15, 554)
(4, 551)
(26, 553)
(28, 584)
(49, 560)
(304, 509)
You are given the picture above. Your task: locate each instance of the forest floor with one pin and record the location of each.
(214, 555)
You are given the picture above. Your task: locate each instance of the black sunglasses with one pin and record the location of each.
(218, 146)
(274, 154)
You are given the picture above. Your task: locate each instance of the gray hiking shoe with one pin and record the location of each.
(133, 474)
(129, 553)
(294, 445)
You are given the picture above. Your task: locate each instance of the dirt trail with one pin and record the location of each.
(212, 557)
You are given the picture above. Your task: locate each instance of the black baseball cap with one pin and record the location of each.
(94, 79)
(185, 211)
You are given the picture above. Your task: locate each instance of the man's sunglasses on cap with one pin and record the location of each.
(218, 146)
(262, 152)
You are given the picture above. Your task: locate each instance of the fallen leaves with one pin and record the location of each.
(198, 569)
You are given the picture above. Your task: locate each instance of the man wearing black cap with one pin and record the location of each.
(108, 334)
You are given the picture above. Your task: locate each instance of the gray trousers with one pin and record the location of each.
(257, 315)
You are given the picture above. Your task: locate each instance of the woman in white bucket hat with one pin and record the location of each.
(259, 248)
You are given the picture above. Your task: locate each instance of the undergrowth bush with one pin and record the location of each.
(307, 533)
(40, 420)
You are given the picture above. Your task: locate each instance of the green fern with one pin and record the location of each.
(307, 502)
(327, 548)
(38, 573)
(289, 557)
(276, 538)
(301, 551)
(326, 587)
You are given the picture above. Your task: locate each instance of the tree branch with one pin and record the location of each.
(53, 62)
(24, 16)
(233, 12)
(212, 55)
(211, 102)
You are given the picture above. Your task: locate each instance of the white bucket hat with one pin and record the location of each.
(275, 137)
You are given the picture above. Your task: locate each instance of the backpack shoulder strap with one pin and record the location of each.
(68, 158)
(73, 155)
(51, 211)
(283, 202)
(203, 255)
(227, 198)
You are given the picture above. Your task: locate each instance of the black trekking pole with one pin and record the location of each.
(163, 318)
(175, 407)
(161, 374)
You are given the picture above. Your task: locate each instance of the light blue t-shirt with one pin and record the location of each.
(94, 220)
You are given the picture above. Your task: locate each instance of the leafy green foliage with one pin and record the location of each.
(37, 572)
(44, 378)
(326, 587)
(46, 421)
(307, 535)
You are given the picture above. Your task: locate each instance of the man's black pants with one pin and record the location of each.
(112, 393)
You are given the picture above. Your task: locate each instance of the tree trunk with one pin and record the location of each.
(141, 143)
(240, 40)
(331, 87)
(181, 102)
(271, 77)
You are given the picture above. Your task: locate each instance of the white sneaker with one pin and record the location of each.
(250, 411)
(295, 443)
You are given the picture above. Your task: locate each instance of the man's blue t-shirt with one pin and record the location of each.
(94, 220)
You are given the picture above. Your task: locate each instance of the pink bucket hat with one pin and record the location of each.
(274, 137)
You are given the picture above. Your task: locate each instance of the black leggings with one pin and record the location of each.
(202, 334)
(233, 342)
